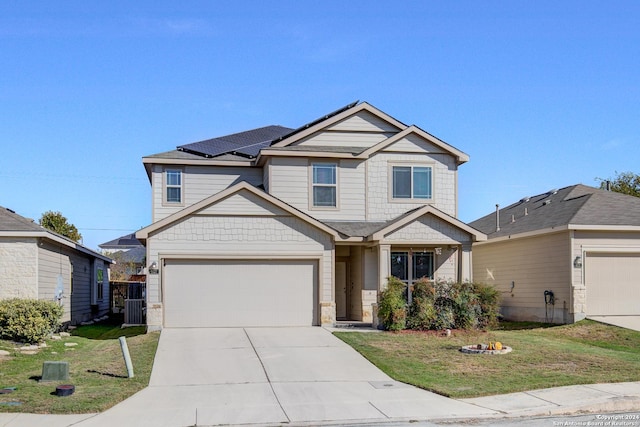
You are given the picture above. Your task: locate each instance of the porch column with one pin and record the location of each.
(384, 266)
(466, 264)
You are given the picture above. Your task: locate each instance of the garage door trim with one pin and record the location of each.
(250, 258)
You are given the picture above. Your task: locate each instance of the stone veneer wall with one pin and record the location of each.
(18, 268)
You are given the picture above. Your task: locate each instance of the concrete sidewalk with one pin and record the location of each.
(304, 376)
(596, 398)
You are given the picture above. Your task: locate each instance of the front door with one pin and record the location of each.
(341, 290)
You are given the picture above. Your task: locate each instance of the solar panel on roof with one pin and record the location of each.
(246, 143)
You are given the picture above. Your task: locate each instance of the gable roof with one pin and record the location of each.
(574, 207)
(335, 117)
(376, 230)
(144, 233)
(14, 225)
(128, 241)
(246, 148)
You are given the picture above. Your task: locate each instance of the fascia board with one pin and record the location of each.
(326, 154)
(526, 234)
(195, 162)
(57, 239)
(477, 235)
(604, 227)
(461, 156)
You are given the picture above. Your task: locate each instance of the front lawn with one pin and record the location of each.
(96, 368)
(583, 353)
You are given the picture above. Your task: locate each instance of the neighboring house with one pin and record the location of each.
(130, 253)
(579, 242)
(277, 226)
(40, 264)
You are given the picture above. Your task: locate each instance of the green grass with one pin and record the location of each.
(96, 366)
(583, 353)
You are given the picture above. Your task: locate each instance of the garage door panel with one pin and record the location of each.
(230, 293)
(613, 284)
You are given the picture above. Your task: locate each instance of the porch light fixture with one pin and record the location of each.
(154, 265)
(577, 263)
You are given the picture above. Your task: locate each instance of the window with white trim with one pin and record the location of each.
(173, 186)
(412, 182)
(324, 185)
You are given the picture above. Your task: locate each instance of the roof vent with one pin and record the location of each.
(526, 211)
(554, 191)
(513, 218)
(525, 199)
(546, 202)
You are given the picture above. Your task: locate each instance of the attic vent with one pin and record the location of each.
(546, 202)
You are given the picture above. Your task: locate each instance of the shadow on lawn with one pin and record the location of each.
(108, 330)
(519, 326)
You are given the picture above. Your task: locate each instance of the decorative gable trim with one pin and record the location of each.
(144, 233)
(424, 210)
(331, 120)
(460, 156)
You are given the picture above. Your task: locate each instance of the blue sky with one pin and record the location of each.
(540, 94)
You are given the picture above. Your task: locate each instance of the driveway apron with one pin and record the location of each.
(213, 376)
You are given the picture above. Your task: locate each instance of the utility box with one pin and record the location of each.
(55, 371)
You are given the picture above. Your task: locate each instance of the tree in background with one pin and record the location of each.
(625, 183)
(56, 222)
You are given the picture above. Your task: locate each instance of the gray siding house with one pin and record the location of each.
(40, 264)
(279, 226)
(580, 243)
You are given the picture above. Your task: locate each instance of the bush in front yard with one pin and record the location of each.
(422, 311)
(28, 320)
(448, 305)
(392, 309)
(489, 301)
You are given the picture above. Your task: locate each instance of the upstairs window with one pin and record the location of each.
(412, 182)
(325, 188)
(173, 186)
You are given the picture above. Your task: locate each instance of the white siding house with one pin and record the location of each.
(277, 226)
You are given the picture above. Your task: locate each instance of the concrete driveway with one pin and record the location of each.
(270, 376)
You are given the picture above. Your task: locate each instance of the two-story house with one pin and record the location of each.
(277, 226)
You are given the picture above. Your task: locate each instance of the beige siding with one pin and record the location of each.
(414, 144)
(244, 203)
(364, 122)
(290, 183)
(243, 237)
(18, 268)
(199, 182)
(54, 265)
(379, 204)
(266, 172)
(428, 228)
(533, 265)
(446, 264)
(344, 139)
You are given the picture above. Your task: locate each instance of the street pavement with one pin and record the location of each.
(304, 376)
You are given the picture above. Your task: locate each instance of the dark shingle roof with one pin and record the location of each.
(122, 242)
(575, 205)
(356, 228)
(11, 221)
(247, 144)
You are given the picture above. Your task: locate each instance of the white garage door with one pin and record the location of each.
(229, 293)
(613, 284)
